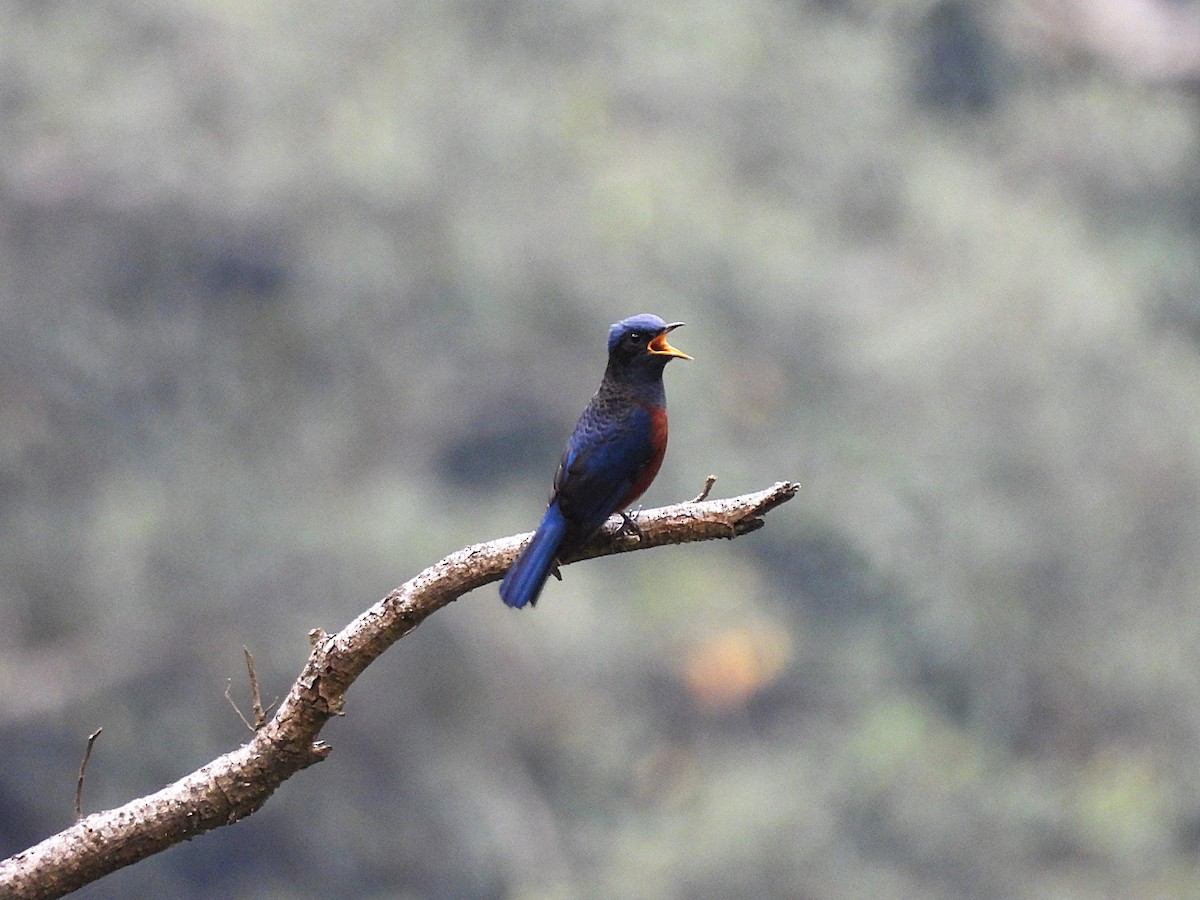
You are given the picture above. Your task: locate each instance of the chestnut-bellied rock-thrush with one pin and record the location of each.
(611, 457)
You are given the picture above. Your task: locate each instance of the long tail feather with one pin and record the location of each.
(527, 577)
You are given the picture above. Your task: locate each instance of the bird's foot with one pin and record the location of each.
(629, 526)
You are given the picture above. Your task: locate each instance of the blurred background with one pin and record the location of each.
(297, 298)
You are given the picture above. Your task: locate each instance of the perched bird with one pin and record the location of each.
(611, 457)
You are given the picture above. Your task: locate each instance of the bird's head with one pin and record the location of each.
(639, 344)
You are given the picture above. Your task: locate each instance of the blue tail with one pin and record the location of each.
(527, 577)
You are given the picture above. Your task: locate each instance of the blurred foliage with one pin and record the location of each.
(298, 298)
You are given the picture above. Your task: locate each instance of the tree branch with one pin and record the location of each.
(238, 783)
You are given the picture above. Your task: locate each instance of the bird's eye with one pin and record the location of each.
(634, 337)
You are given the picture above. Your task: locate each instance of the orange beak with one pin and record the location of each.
(660, 346)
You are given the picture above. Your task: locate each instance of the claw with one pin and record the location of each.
(629, 526)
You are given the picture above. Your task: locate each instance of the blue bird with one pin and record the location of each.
(611, 457)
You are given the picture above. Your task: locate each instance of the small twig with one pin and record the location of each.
(233, 703)
(87, 754)
(260, 714)
(708, 486)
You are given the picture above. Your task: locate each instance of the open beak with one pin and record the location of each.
(660, 346)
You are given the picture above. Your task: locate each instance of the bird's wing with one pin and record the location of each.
(604, 457)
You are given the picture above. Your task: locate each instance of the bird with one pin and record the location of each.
(610, 458)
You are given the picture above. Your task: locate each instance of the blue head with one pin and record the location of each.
(638, 348)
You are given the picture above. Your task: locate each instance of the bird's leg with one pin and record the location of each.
(628, 525)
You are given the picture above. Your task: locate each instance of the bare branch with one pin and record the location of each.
(238, 783)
